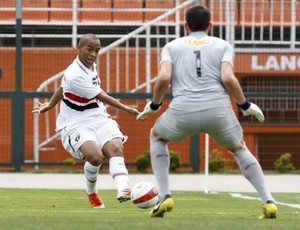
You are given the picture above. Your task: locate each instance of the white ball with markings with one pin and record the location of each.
(144, 194)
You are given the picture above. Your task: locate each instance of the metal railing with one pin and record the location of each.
(247, 24)
(49, 135)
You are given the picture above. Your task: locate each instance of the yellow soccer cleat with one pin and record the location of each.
(269, 211)
(165, 205)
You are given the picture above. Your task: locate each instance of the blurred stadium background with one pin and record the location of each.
(38, 41)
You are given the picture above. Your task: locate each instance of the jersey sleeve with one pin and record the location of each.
(165, 54)
(228, 55)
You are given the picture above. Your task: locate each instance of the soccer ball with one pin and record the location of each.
(144, 194)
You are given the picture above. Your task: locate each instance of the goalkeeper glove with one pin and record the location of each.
(249, 108)
(150, 108)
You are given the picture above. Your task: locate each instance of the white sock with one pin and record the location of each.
(251, 169)
(119, 173)
(91, 174)
(160, 161)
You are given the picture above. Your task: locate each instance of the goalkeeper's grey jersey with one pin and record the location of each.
(196, 76)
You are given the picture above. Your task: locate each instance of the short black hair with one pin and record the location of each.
(197, 18)
(86, 37)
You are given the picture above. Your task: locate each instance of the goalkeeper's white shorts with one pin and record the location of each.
(221, 124)
(73, 138)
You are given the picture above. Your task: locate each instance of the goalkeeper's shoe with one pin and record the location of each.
(124, 195)
(269, 211)
(96, 201)
(165, 205)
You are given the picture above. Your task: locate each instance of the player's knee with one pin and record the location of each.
(118, 151)
(154, 136)
(114, 151)
(95, 159)
(236, 149)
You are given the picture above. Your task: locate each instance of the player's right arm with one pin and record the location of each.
(161, 85)
(162, 82)
(44, 107)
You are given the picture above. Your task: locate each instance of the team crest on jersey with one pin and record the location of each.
(77, 138)
(192, 42)
(96, 80)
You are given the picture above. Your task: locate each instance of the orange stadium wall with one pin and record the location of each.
(40, 64)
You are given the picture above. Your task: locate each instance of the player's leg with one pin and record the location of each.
(252, 170)
(167, 127)
(92, 166)
(112, 141)
(113, 150)
(82, 144)
(229, 133)
(91, 174)
(160, 162)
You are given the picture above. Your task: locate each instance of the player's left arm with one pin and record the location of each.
(231, 83)
(162, 82)
(235, 90)
(104, 97)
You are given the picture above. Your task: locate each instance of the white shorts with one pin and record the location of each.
(221, 124)
(72, 139)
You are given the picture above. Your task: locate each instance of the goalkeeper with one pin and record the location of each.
(199, 68)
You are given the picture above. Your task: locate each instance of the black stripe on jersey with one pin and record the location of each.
(80, 107)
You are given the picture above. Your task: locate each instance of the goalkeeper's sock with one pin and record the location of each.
(119, 172)
(251, 169)
(160, 161)
(91, 174)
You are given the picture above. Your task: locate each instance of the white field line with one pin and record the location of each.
(99, 210)
(49, 197)
(238, 195)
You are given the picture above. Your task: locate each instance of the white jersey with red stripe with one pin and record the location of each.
(79, 105)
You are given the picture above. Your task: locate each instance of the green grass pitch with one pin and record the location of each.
(69, 209)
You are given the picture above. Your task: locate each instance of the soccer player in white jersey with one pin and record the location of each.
(87, 131)
(199, 68)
